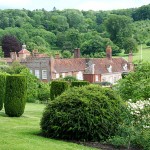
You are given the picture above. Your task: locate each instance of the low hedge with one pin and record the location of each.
(15, 97)
(79, 83)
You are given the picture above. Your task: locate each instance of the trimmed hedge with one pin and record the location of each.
(15, 97)
(57, 88)
(79, 83)
(88, 113)
(2, 90)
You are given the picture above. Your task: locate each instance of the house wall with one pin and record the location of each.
(39, 67)
(112, 78)
(92, 77)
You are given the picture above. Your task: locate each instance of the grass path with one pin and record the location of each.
(22, 133)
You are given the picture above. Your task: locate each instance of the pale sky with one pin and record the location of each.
(72, 4)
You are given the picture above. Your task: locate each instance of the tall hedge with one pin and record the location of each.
(15, 97)
(2, 90)
(79, 83)
(57, 88)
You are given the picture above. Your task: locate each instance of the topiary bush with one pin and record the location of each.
(43, 92)
(15, 97)
(2, 90)
(89, 113)
(58, 87)
(79, 83)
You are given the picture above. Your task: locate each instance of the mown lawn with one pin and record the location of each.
(137, 56)
(22, 133)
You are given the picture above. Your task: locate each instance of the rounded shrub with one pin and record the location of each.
(15, 97)
(57, 88)
(89, 113)
(2, 90)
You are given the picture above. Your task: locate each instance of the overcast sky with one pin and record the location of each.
(72, 4)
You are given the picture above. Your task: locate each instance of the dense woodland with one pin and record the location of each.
(65, 30)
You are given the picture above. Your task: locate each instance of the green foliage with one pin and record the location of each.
(134, 130)
(88, 113)
(79, 83)
(2, 89)
(43, 92)
(70, 78)
(148, 43)
(119, 27)
(57, 88)
(129, 45)
(32, 85)
(136, 85)
(15, 98)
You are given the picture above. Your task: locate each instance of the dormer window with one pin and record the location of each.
(109, 68)
(125, 67)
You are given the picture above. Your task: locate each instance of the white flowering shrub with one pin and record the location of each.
(135, 129)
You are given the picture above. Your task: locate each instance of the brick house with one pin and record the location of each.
(91, 69)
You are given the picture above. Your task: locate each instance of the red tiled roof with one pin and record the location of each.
(80, 64)
(69, 65)
(24, 51)
(41, 55)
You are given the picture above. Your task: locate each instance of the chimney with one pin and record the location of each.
(13, 56)
(51, 63)
(109, 52)
(130, 58)
(77, 53)
(57, 56)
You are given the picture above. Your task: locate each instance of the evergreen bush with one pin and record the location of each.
(89, 113)
(79, 83)
(2, 90)
(15, 97)
(58, 87)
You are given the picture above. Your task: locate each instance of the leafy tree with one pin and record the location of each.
(10, 44)
(66, 54)
(136, 85)
(119, 28)
(129, 45)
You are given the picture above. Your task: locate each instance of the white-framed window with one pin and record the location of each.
(96, 78)
(79, 75)
(63, 75)
(57, 75)
(37, 73)
(44, 74)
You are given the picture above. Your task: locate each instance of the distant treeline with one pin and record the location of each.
(89, 30)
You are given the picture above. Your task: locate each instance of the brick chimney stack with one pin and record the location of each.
(77, 53)
(130, 58)
(109, 52)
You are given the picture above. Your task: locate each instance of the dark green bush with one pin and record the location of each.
(43, 92)
(89, 113)
(2, 90)
(58, 87)
(70, 78)
(15, 97)
(79, 83)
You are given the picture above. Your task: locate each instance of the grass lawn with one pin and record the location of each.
(137, 56)
(22, 133)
